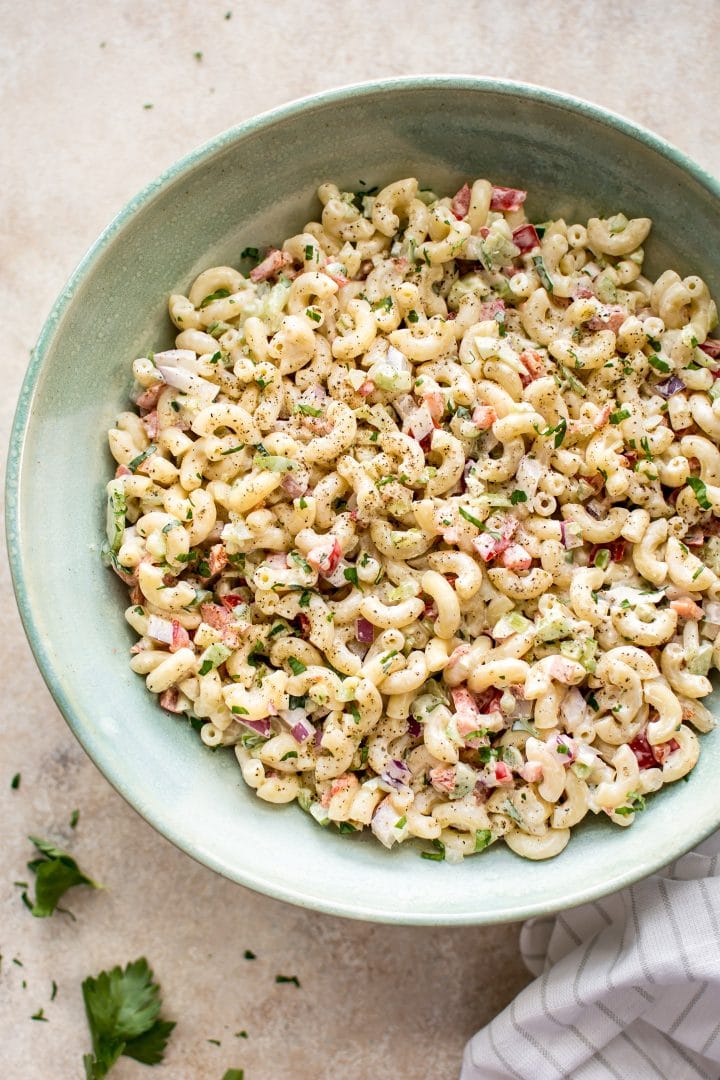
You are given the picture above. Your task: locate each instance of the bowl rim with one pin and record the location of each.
(18, 435)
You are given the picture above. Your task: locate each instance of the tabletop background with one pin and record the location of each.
(95, 100)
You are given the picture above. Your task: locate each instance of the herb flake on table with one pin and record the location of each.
(55, 872)
(288, 979)
(123, 1013)
(249, 955)
(15, 782)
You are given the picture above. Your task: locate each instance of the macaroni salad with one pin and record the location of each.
(422, 517)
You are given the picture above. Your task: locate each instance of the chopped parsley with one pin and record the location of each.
(602, 558)
(635, 803)
(250, 253)
(438, 855)
(518, 496)
(123, 1013)
(55, 872)
(412, 316)
(700, 492)
(483, 837)
(136, 462)
(350, 574)
(558, 431)
(469, 517)
(658, 364)
(540, 269)
(219, 294)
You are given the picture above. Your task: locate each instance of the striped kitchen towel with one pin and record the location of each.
(628, 987)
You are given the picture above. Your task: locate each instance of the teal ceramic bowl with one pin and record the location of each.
(250, 186)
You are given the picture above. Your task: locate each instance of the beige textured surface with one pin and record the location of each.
(376, 1002)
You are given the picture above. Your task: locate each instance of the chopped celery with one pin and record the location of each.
(512, 623)
(116, 510)
(213, 657)
(582, 650)
(552, 629)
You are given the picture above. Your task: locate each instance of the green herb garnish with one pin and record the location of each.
(539, 264)
(136, 462)
(219, 294)
(483, 837)
(700, 492)
(123, 1010)
(55, 873)
(436, 856)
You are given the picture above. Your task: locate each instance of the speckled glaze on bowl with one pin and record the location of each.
(254, 185)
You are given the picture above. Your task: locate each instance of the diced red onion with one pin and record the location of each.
(711, 612)
(712, 347)
(560, 755)
(420, 423)
(160, 629)
(573, 708)
(396, 773)
(383, 823)
(571, 535)
(262, 727)
(597, 509)
(672, 386)
(414, 727)
(405, 405)
(396, 359)
(302, 730)
(184, 358)
(365, 631)
(528, 476)
(189, 383)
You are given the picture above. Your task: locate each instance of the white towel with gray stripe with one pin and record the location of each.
(628, 987)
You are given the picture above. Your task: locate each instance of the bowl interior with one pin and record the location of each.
(252, 187)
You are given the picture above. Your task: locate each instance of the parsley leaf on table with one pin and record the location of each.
(123, 1010)
(55, 873)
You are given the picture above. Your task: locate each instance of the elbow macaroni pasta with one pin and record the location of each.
(420, 516)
